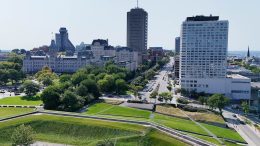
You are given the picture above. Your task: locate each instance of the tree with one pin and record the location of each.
(12, 57)
(135, 90)
(71, 102)
(202, 100)
(47, 81)
(13, 75)
(44, 73)
(78, 77)
(166, 96)
(3, 76)
(92, 87)
(82, 90)
(111, 82)
(245, 107)
(149, 74)
(121, 86)
(120, 75)
(65, 78)
(154, 95)
(51, 97)
(30, 88)
(23, 135)
(169, 87)
(103, 85)
(218, 101)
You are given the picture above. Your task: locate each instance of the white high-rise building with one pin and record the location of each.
(203, 57)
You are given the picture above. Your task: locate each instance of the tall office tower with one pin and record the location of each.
(177, 45)
(203, 54)
(137, 21)
(62, 41)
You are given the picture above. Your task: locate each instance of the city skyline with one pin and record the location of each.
(37, 20)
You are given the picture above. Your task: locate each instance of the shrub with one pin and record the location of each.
(182, 101)
(192, 109)
(23, 135)
(169, 88)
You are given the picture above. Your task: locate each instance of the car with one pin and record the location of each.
(17, 93)
(110, 95)
(241, 122)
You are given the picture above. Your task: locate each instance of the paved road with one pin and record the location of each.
(39, 143)
(244, 130)
(171, 132)
(162, 80)
(9, 94)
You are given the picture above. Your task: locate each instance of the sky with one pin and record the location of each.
(30, 23)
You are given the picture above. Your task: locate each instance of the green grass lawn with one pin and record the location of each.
(153, 138)
(224, 132)
(7, 112)
(76, 131)
(115, 110)
(206, 138)
(172, 122)
(188, 125)
(178, 123)
(99, 107)
(21, 100)
(212, 140)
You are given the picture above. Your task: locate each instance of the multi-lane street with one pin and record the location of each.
(161, 79)
(244, 130)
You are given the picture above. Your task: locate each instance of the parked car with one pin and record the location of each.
(241, 122)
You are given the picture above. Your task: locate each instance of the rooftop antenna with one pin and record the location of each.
(137, 3)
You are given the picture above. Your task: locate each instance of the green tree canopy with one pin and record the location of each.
(46, 72)
(51, 97)
(218, 101)
(47, 81)
(65, 78)
(30, 88)
(71, 102)
(121, 86)
(78, 77)
(245, 107)
(92, 87)
(166, 96)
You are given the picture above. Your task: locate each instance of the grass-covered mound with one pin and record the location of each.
(190, 126)
(115, 110)
(153, 138)
(76, 131)
(21, 100)
(8, 112)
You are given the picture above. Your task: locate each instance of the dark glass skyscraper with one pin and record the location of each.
(137, 21)
(177, 45)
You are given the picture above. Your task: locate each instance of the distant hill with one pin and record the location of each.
(243, 53)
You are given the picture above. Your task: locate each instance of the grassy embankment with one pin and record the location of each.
(21, 100)
(77, 131)
(8, 112)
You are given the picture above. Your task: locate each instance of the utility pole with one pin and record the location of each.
(137, 3)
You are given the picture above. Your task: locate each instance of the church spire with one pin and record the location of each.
(248, 53)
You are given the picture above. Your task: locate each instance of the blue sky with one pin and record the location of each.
(29, 23)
